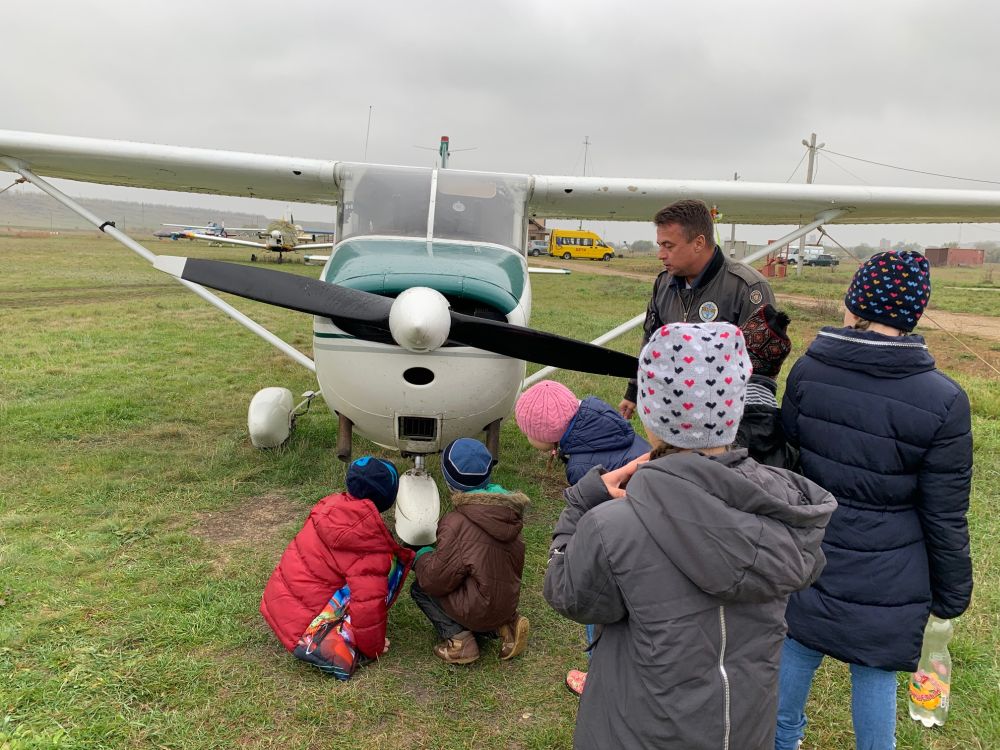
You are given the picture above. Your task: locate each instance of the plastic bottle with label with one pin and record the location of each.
(930, 685)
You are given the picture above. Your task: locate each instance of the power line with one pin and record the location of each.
(842, 168)
(915, 171)
(804, 154)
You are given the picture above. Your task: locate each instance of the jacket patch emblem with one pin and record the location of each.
(708, 311)
(756, 297)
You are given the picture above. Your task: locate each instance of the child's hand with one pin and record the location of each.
(616, 480)
(385, 649)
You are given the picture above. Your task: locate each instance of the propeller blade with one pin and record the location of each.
(539, 346)
(350, 307)
(288, 290)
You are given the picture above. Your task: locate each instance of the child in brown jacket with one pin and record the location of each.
(469, 584)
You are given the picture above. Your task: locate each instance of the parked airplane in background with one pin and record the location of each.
(279, 237)
(192, 231)
(420, 312)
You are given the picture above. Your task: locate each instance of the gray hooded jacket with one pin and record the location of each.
(689, 574)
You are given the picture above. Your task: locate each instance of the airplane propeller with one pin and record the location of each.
(345, 306)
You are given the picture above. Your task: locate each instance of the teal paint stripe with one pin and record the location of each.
(319, 335)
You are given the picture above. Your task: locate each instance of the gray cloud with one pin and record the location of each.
(661, 90)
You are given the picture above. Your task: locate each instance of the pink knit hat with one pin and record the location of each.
(544, 411)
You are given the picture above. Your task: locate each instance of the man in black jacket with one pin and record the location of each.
(698, 283)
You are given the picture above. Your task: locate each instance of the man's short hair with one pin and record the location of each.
(694, 216)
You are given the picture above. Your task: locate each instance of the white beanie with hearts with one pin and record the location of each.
(692, 383)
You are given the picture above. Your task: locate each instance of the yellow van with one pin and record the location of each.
(578, 243)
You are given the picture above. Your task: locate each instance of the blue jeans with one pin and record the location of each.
(873, 700)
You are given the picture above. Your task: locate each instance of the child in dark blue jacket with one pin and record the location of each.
(890, 437)
(584, 434)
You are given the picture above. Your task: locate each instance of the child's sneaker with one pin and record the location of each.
(514, 637)
(462, 649)
(576, 681)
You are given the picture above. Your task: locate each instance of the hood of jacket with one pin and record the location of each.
(596, 427)
(871, 352)
(499, 514)
(738, 530)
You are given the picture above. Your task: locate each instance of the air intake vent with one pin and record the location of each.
(418, 428)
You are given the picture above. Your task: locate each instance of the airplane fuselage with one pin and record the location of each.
(417, 402)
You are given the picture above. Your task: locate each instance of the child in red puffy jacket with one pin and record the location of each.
(328, 598)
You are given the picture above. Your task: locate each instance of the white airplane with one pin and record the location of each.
(212, 231)
(419, 320)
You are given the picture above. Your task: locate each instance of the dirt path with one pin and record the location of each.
(959, 323)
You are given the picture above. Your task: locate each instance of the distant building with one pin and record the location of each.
(884, 244)
(537, 230)
(955, 256)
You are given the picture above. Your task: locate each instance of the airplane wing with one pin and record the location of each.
(227, 240)
(618, 199)
(189, 170)
(536, 269)
(759, 202)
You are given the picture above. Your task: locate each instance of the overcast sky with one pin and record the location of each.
(699, 91)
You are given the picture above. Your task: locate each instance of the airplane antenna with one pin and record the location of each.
(444, 150)
(368, 131)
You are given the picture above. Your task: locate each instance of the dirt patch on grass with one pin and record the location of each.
(257, 522)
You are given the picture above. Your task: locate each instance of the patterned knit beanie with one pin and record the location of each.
(467, 465)
(373, 479)
(544, 411)
(891, 288)
(692, 383)
(767, 342)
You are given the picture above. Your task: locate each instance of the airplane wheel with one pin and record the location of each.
(567, 256)
(253, 258)
(270, 417)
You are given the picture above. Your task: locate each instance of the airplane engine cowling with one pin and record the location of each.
(269, 417)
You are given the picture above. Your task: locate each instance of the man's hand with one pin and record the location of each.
(626, 408)
(616, 480)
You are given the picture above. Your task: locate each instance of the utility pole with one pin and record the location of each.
(813, 148)
(586, 148)
(732, 230)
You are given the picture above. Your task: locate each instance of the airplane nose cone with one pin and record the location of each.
(419, 319)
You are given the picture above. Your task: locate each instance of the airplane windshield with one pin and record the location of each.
(384, 200)
(395, 201)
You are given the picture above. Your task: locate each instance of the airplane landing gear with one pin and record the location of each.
(418, 506)
(271, 415)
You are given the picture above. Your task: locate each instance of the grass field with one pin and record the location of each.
(138, 527)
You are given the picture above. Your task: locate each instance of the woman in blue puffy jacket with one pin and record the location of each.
(890, 437)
